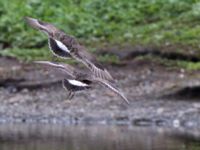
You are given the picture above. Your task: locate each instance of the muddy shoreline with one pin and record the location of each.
(158, 96)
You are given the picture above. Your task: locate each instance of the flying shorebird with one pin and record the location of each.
(66, 46)
(77, 80)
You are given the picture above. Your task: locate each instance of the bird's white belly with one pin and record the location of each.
(62, 46)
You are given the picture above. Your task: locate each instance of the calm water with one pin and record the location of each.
(57, 137)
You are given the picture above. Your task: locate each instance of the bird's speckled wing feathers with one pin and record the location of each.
(76, 50)
(81, 54)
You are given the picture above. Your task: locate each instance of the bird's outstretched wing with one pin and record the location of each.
(81, 54)
(71, 71)
(113, 88)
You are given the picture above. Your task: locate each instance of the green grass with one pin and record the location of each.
(45, 54)
(28, 54)
(95, 23)
(112, 59)
(189, 65)
(171, 64)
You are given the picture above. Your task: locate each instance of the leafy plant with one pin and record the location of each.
(94, 22)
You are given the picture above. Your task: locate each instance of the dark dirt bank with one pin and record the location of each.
(158, 96)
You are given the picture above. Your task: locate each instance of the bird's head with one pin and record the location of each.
(47, 28)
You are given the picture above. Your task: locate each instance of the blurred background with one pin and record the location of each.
(169, 25)
(151, 47)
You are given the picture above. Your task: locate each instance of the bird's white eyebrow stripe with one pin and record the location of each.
(77, 83)
(62, 46)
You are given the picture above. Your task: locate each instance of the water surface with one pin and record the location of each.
(59, 137)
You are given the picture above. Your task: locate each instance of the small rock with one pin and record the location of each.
(122, 118)
(181, 75)
(196, 105)
(142, 122)
(25, 90)
(160, 110)
(176, 123)
(160, 122)
(182, 70)
(11, 89)
(110, 94)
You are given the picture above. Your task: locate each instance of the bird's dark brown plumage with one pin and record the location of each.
(70, 46)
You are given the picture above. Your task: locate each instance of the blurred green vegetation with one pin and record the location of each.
(99, 22)
(172, 64)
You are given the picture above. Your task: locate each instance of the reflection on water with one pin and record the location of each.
(57, 137)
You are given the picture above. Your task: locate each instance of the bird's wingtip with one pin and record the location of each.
(124, 97)
(40, 62)
(46, 63)
(127, 101)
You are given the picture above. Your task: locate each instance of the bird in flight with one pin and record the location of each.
(66, 46)
(77, 80)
